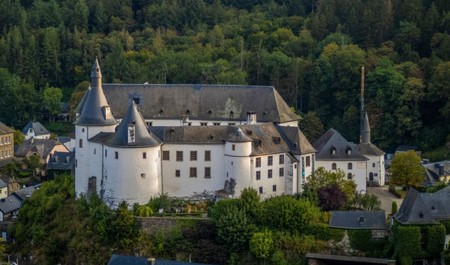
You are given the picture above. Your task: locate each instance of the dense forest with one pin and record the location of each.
(310, 50)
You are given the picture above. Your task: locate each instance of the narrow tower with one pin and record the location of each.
(361, 124)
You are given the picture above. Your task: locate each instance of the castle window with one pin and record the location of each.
(216, 123)
(116, 155)
(270, 160)
(349, 151)
(193, 155)
(207, 172)
(137, 100)
(76, 162)
(269, 173)
(233, 147)
(179, 155)
(188, 112)
(106, 153)
(177, 173)
(193, 172)
(258, 162)
(143, 175)
(81, 143)
(261, 190)
(274, 188)
(231, 123)
(258, 175)
(349, 176)
(281, 159)
(144, 155)
(203, 124)
(207, 155)
(333, 150)
(82, 129)
(308, 161)
(281, 172)
(373, 164)
(350, 166)
(333, 166)
(95, 151)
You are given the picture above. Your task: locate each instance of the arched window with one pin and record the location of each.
(333, 166)
(350, 166)
(349, 176)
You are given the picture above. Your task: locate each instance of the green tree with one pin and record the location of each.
(261, 244)
(52, 101)
(407, 170)
(311, 126)
(123, 230)
(322, 178)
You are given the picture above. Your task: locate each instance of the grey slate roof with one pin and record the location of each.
(10, 204)
(238, 137)
(366, 147)
(424, 208)
(352, 220)
(142, 137)
(24, 193)
(266, 138)
(94, 107)
(61, 161)
(129, 260)
(43, 147)
(332, 139)
(432, 170)
(3, 184)
(38, 128)
(5, 129)
(365, 130)
(201, 102)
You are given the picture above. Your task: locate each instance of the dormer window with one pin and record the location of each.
(361, 219)
(348, 151)
(131, 133)
(161, 111)
(106, 112)
(231, 113)
(188, 112)
(333, 150)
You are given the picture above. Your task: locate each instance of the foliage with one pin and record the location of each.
(394, 208)
(367, 202)
(261, 244)
(362, 240)
(311, 126)
(406, 169)
(331, 198)
(18, 137)
(407, 241)
(435, 240)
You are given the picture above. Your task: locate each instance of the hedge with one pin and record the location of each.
(362, 240)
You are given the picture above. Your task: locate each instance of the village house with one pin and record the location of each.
(6, 144)
(36, 130)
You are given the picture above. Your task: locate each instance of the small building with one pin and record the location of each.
(40, 147)
(361, 220)
(9, 206)
(60, 163)
(35, 129)
(436, 172)
(6, 145)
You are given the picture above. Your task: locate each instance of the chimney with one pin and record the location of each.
(251, 117)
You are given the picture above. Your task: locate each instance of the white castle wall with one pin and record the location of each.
(375, 165)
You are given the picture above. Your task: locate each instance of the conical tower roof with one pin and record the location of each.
(239, 137)
(365, 130)
(95, 109)
(132, 131)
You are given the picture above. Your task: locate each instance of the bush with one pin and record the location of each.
(362, 240)
(394, 192)
(394, 208)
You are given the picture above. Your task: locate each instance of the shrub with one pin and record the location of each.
(394, 208)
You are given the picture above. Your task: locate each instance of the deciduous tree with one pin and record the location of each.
(407, 170)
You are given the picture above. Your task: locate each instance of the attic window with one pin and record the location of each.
(210, 112)
(249, 132)
(211, 137)
(348, 151)
(161, 111)
(188, 112)
(137, 100)
(276, 140)
(231, 113)
(361, 219)
(420, 214)
(264, 113)
(333, 150)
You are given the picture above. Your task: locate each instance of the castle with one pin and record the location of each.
(186, 140)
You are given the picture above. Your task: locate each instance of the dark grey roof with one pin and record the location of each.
(201, 102)
(140, 134)
(266, 138)
(298, 142)
(95, 109)
(238, 137)
(369, 149)
(38, 128)
(61, 161)
(5, 129)
(358, 219)
(332, 139)
(424, 208)
(24, 193)
(3, 184)
(10, 204)
(82, 102)
(435, 170)
(43, 147)
(338, 259)
(129, 260)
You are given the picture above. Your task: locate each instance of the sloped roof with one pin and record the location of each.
(369, 149)
(24, 193)
(358, 219)
(41, 146)
(432, 170)
(200, 101)
(332, 139)
(61, 161)
(38, 128)
(142, 136)
(5, 129)
(298, 142)
(424, 208)
(10, 204)
(239, 137)
(3, 184)
(94, 110)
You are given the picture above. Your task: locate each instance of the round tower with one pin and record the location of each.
(93, 117)
(238, 148)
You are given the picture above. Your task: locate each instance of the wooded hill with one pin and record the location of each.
(311, 51)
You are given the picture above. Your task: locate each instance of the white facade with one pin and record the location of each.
(354, 170)
(376, 169)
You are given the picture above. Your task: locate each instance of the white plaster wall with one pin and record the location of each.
(239, 168)
(125, 181)
(96, 165)
(185, 185)
(358, 171)
(177, 122)
(3, 192)
(240, 149)
(378, 170)
(267, 183)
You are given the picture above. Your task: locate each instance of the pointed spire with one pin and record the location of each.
(95, 109)
(132, 131)
(365, 130)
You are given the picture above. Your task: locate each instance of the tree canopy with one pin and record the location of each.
(407, 170)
